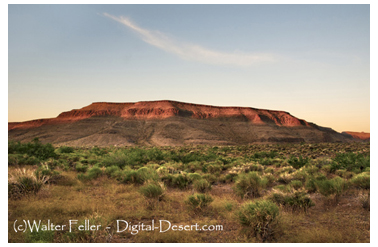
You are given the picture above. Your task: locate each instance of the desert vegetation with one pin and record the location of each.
(257, 193)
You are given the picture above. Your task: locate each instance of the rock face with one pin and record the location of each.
(358, 135)
(170, 123)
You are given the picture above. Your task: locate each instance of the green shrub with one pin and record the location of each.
(140, 176)
(344, 173)
(180, 181)
(259, 217)
(202, 185)
(361, 180)
(283, 188)
(194, 176)
(298, 162)
(296, 184)
(113, 171)
(66, 150)
(34, 148)
(80, 167)
(269, 170)
(91, 174)
(310, 185)
(199, 201)
(285, 178)
(335, 186)
(272, 154)
(152, 190)
(249, 185)
(351, 162)
(39, 236)
(297, 200)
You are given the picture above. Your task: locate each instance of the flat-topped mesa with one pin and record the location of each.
(165, 109)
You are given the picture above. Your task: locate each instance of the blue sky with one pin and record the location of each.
(310, 60)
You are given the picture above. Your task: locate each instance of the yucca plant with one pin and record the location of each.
(23, 181)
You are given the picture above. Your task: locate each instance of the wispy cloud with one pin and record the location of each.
(191, 51)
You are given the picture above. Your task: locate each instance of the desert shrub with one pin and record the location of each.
(202, 185)
(180, 181)
(283, 188)
(48, 171)
(66, 150)
(298, 162)
(230, 177)
(22, 159)
(80, 167)
(23, 181)
(139, 176)
(14, 159)
(113, 171)
(269, 170)
(344, 173)
(300, 174)
(285, 178)
(310, 170)
(39, 236)
(259, 155)
(34, 148)
(297, 200)
(193, 166)
(259, 217)
(310, 185)
(365, 201)
(192, 156)
(213, 168)
(335, 186)
(152, 190)
(287, 169)
(249, 185)
(253, 167)
(98, 151)
(199, 201)
(93, 173)
(212, 178)
(194, 176)
(361, 180)
(296, 184)
(351, 162)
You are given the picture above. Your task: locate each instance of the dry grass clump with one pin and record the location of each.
(24, 181)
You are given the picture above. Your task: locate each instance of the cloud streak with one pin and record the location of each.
(193, 52)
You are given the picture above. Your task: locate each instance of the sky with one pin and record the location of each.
(312, 61)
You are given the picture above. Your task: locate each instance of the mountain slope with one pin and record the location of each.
(170, 123)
